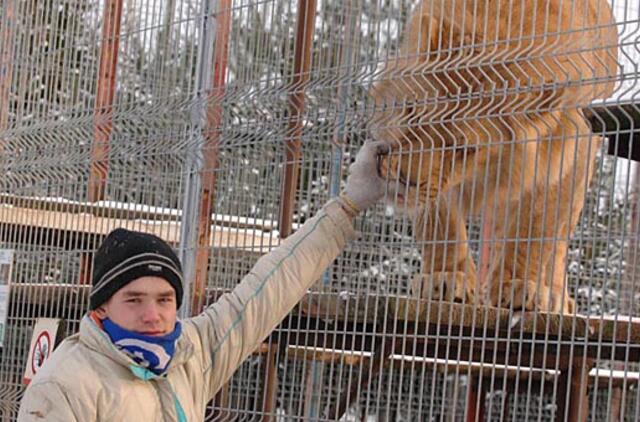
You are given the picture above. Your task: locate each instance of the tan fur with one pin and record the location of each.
(482, 103)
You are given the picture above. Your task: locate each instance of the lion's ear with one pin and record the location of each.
(427, 35)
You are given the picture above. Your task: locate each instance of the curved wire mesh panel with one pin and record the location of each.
(497, 280)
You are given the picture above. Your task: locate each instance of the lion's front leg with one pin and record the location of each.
(530, 245)
(448, 272)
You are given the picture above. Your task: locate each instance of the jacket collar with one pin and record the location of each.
(93, 337)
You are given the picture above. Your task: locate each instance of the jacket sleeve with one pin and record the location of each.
(233, 327)
(47, 401)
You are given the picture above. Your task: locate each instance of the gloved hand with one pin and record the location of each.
(364, 184)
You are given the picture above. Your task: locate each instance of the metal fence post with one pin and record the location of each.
(6, 65)
(211, 135)
(195, 163)
(103, 114)
(105, 94)
(314, 383)
(293, 151)
(305, 26)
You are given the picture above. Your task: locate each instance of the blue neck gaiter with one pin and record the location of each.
(151, 352)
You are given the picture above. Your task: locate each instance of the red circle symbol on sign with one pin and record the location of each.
(41, 351)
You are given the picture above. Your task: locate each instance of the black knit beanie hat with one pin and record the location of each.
(127, 255)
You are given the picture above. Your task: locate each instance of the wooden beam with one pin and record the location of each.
(89, 226)
(128, 211)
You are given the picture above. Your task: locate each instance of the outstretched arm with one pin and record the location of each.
(233, 327)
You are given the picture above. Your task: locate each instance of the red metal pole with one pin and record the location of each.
(476, 393)
(302, 62)
(102, 117)
(293, 153)
(211, 151)
(102, 120)
(6, 66)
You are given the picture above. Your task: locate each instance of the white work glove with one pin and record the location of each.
(364, 184)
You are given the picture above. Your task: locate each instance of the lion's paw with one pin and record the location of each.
(448, 286)
(530, 296)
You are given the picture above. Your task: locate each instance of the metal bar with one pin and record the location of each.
(485, 250)
(214, 91)
(312, 388)
(103, 114)
(293, 151)
(6, 65)
(372, 368)
(505, 406)
(211, 134)
(195, 164)
(578, 390)
(314, 381)
(222, 403)
(476, 391)
(270, 387)
(106, 90)
(616, 404)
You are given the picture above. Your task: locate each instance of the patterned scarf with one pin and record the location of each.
(151, 352)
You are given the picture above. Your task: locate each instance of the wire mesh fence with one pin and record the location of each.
(496, 281)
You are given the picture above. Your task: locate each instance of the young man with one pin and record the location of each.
(134, 361)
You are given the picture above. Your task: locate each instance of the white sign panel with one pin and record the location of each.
(6, 264)
(46, 335)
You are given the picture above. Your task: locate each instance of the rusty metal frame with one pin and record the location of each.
(293, 152)
(211, 148)
(105, 95)
(103, 115)
(6, 65)
(305, 27)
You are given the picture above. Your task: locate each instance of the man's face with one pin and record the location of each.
(146, 306)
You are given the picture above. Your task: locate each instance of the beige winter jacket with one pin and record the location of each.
(88, 379)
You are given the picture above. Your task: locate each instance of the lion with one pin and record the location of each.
(482, 105)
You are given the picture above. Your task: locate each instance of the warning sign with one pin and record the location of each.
(43, 341)
(6, 262)
(41, 351)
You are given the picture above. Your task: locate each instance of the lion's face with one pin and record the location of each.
(420, 166)
(417, 174)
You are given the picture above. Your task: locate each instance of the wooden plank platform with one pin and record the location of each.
(18, 222)
(129, 211)
(473, 327)
(405, 316)
(372, 309)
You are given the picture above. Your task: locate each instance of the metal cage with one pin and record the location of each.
(222, 125)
